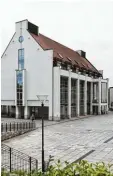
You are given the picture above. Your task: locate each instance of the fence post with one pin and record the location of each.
(6, 127)
(17, 126)
(20, 126)
(10, 158)
(30, 164)
(14, 126)
(26, 125)
(29, 125)
(10, 127)
(36, 164)
(2, 127)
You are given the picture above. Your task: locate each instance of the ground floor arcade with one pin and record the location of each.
(73, 95)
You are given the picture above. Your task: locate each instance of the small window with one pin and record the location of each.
(60, 55)
(21, 59)
(19, 78)
(83, 65)
(69, 59)
(20, 96)
(21, 39)
(76, 62)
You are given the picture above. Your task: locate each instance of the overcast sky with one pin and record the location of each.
(86, 25)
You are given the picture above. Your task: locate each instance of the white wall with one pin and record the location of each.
(39, 76)
(38, 65)
(8, 66)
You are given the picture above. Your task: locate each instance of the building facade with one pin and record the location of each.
(111, 98)
(33, 64)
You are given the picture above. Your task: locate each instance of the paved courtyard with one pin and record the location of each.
(89, 138)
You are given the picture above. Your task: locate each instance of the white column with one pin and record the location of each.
(26, 112)
(24, 88)
(69, 94)
(56, 93)
(7, 110)
(107, 108)
(78, 98)
(85, 97)
(95, 91)
(91, 98)
(17, 112)
(99, 97)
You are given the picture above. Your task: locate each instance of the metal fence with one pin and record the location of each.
(12, 160)
(6, 127)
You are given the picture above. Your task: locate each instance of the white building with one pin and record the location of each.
(111, 98)
(33, 64)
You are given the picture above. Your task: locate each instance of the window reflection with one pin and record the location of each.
(21, 59)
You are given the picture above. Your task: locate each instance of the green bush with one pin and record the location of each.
(83, 168)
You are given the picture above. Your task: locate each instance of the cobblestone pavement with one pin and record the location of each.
(71, 140)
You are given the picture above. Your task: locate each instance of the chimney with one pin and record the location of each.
(26, 25)
(33, 28)
(81, 53)
(101, 72)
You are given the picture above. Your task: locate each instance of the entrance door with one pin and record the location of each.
(21, 110)
(40, 111)
(95, 110)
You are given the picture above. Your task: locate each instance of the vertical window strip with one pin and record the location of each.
(21, 59)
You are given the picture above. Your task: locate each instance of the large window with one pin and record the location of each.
(64, 97)
(103, 92)
(81, 97)
(88, 97)
(19, 88)
(73, 97)
(21, 59)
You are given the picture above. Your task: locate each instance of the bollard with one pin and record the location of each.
(6, 127)
(10, 126)
(17, 126)
(10, 158)
(36, 164)
(30, 164)
(14, 126)
(2, 127)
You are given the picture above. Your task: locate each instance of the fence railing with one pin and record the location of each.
(8, 127)
(13, 160)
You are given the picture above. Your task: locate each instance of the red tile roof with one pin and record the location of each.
(63, 53)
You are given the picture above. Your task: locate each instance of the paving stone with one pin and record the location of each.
(70, 140)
